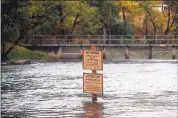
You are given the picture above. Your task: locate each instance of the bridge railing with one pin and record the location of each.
(99, 39)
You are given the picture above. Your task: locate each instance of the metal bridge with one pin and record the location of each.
(109, 40)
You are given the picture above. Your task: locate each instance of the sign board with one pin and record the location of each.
(93, 83)
(93, 59)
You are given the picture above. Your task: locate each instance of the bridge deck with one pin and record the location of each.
(99, 40)
(105, 45)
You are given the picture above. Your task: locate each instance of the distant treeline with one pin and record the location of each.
(85, 17)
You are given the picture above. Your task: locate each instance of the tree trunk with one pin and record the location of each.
(168, 22)
(104, 33)
(154, 27)
(4, 55)
(146, 24)
(124, 18)
(146, 29)
(61, 26)
(152, 21)
(74, 23)
(162, 6)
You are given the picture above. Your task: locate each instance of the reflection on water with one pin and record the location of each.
(93, 110)
(52, 90)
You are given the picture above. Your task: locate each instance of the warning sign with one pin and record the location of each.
(93, 59)
(93, 83)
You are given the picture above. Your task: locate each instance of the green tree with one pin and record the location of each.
(108, 14)
(129, 10)
(19, 18)
(80, 12)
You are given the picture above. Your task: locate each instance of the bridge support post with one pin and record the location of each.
(59, 53)
(173, 52)
(34, 47)
(150, 52)
(127, 52)
(104, 52)
(81, 51)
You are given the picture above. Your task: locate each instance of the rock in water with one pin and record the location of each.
(21, 62)
(27, 62)
(3, 63)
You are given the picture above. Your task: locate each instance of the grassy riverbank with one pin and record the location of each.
(22, 53)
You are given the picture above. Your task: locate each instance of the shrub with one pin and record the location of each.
(23, 53)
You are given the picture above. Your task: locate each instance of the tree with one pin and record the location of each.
(129, 10)
(90, 26)
(19, 18)
(79, 11)
(109, 14)
(150, 12)
(161, 22)
(172, 7)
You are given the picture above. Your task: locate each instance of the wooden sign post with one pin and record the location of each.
(93, 83)
(94, 97)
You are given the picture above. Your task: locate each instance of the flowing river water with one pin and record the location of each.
(134, 88)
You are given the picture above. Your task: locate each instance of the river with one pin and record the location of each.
(133, 88)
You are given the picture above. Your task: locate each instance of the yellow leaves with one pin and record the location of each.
(68, 21)
(132, 7)
(128, 4)
(172, 28)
